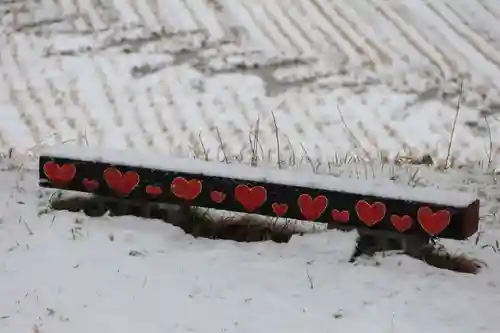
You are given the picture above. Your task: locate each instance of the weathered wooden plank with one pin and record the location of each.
(377, 205)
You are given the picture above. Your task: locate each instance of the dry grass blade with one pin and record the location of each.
(452, 134)
(489, 151)
(277, 140)
(222, 145)
(353, 137)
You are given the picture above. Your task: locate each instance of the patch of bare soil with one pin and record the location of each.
(368, 244)
(194, 221)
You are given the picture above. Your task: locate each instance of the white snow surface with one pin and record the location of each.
(64, 272)
(370, 187)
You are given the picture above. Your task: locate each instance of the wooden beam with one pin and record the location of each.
(368, 204)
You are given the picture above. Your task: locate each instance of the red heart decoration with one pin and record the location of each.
(250, 198)
(217, 196)
(90, 184)
(433, 223)
(154, 191)
(59, 174)
(122, 184)
(401, 223)
(279, 209)
(184, 189)
(312, 209)
(341, 216)
(370, 214)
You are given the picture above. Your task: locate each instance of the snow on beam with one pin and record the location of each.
(372, 204)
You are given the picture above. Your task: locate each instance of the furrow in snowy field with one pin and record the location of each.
(478, 19)
(491, 6)
(456, 24)
(405, 38)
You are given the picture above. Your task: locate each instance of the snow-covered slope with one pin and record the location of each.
(157, 75)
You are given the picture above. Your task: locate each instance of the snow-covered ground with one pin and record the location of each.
(182, 76)
(65, 272)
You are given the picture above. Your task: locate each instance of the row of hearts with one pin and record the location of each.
(254, 197)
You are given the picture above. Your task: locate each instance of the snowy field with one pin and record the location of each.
(319, 78)
(164, 75)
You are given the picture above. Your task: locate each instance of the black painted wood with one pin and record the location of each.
(347, 210)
